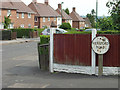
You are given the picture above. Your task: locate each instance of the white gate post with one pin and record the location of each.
(94, 32)
(51, 51)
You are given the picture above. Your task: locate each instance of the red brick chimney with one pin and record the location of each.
(59, 6)
(74, 9)
(46, 2)
(34, 1)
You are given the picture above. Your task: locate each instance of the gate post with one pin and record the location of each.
(51, 51)
(94, 32)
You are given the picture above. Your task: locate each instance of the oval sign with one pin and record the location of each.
(100, 45)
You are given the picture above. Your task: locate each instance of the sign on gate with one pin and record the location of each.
(100, 45)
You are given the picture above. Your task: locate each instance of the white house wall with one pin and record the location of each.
(59, 22)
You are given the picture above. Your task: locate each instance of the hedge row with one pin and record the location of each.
(98, 32)
(5, 35)
(44, 39)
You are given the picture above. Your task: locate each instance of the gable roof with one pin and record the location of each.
(76, 17)
(64, 14)
(43, 10)
(16, 4)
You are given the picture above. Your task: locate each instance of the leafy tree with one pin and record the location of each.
(67, 11)
(91, 17)
(114, 10)
(65, 26)
(7, 21)
(105, 23)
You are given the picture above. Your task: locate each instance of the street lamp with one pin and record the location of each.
(96, 12)
(61, 10)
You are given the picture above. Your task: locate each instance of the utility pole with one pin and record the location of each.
(96, 13)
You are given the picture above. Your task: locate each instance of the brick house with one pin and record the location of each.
(87, 23)
(78, 21)
(45, 14)
(65, 17)
(20, 15)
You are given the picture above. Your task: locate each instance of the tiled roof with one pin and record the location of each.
(43, 10)
(76, 17)
(64, 14)
(16, 4)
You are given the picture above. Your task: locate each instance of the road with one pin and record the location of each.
(20, 70)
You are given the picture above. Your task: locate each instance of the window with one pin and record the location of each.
(58, 18)
(8, 12)
(48, 19)
(43, 19)
(29, 25)
(36, 19)
(0, 12)
(11, 26)
(54, 19)
(17, 15)
(22, 15)
(22, 25)
(29, 15)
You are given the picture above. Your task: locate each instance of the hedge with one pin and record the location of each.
(98, 32)
(6, 35)
(44, 39)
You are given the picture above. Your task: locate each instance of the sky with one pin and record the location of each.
(83, 7)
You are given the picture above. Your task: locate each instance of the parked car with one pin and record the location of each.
(88, 30)
(57, 30)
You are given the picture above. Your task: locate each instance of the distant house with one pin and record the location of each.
(45, 14)
(65, 17)
(78, 21)
(20, 15)
(87, 23)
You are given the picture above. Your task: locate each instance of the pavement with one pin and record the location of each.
(19, 40)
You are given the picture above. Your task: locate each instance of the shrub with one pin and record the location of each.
(39, 31)
(65, 26)
(44, 39)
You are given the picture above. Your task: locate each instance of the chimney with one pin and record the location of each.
(34, 1)
(46, 2)
(74, 9)
(59, 6)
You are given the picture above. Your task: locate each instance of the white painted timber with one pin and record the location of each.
(94, 32)
(84, 69)
(51, 50)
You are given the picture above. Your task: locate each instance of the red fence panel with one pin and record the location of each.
(75, 49)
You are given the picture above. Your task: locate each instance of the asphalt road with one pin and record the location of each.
(20, 70)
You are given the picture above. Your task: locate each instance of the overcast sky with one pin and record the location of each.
(82, 6)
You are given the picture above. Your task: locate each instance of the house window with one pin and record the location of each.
(43, 19)
(17, 15)
(29, 15)
(0, 12)
(22, 15)
(58, 18)
(48, 19)
(54, 19)
(11, 26)
(36, 19)
(29, 25)
(22, 25)
(8, 12)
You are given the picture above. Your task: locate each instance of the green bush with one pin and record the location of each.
(44, 39)
(39, 30)
(6, 35)
(23, 32)
(65, 26)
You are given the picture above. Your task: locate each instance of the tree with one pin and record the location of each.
(67, 11)
(7, 21)
(91, 17)
(105, 23)
(114, 10)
